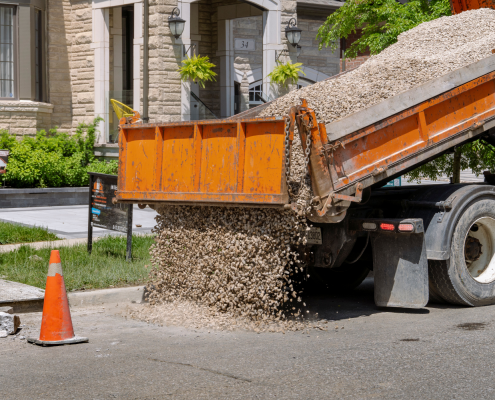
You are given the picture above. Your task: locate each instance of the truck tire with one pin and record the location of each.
(468, 276)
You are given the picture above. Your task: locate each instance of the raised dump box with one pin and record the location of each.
(242, 161)
(214, 162)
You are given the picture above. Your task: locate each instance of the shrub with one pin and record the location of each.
(53, 158)
(284, 74)
(198, 69)
(104, 167)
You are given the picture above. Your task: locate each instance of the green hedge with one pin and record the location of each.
(53, 158)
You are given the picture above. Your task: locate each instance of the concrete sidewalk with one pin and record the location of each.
(71, 222)
(22, 298)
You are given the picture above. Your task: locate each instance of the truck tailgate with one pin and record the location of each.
(216, 161)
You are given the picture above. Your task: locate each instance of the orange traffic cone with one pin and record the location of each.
(56, 324)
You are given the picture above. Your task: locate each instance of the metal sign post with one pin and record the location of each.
(103, 213)
(129, 233)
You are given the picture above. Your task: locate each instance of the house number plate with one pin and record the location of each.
(244, 44)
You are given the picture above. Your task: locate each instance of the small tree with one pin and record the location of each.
(198, 69)
(381, 22)
(285, 74)
(477, 156)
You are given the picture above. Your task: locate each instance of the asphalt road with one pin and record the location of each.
(436, 353)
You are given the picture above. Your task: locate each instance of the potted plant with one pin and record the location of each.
(285, 74)
(198, 69)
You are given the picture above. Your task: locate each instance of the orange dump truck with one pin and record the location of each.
(421, 241)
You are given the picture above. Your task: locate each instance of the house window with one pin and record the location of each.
(23, 50)
(38, 55)
(7, 67)
(255, 94)
(128, 51)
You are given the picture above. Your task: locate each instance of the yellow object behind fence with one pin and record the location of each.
(121, 109)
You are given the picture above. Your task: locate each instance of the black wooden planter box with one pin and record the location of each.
(68, 196)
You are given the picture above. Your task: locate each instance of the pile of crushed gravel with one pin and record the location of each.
(425, 52)
(223, 267)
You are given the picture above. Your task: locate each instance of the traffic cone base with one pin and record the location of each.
(74, 340)
(56, 324)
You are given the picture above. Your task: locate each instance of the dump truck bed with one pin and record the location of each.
(242, 161)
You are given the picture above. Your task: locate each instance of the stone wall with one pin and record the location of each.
(81, 62)
(248, 61)
(324, 60)
(70, 62)
(25, 118)
(207, 21)
(164, 82)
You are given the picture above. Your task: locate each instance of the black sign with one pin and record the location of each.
(103, 213)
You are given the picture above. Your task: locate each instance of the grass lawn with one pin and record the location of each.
(105, 267)
(14, 233)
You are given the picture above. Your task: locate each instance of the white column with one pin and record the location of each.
(185, 42)
(271, 44)
(101, 22)
(227, 73)
(136, 66)
(117, 49)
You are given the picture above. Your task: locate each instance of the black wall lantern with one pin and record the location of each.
(292, 32)
(176, 23)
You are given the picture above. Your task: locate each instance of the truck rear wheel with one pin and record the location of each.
(468, 276)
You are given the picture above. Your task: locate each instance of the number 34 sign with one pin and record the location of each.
(244, 44)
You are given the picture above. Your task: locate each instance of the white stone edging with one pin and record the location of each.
(23, 106)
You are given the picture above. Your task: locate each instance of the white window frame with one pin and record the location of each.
(252, 87)
(15, 94)
(101, 46)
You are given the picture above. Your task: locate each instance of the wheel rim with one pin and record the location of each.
(479, 247)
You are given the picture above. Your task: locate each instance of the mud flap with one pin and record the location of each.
(400, 269)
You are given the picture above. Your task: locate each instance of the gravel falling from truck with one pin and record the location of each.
(425, 52)
(243, 264)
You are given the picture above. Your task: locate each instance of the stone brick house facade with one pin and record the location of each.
(63, 60)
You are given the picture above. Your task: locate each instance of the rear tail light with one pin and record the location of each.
(369, 226)
(387, 227)
(406, 227)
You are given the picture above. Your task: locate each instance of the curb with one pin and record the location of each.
(24, 306)
(133, 294)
